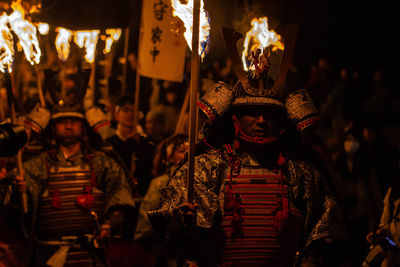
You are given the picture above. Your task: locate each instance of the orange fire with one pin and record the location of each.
(26, 33)
(259, 37)
(87, 40)
(62, 43)
(185, 13)
(112, 35)
(6, 45)
(84, 39)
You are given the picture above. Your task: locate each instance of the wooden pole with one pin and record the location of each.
(2, 111)
(39, 84)
(125, 67)
(137, 82)
(179, 125)
(194, 88)
(24, 196)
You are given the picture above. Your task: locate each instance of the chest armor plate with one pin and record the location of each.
(263, 226)
(59, 213)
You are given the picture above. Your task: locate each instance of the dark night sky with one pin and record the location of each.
(352, 33)
(348, 33)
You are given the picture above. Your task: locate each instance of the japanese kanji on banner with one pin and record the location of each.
(163, 47)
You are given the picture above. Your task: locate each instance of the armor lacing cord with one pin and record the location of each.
(233, 160)
(234, 163)
(93, 175)
(86, 200)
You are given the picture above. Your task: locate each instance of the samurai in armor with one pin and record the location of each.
(256, 201)
(76, 193)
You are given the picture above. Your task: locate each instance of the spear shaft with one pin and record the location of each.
(10, 86)
(194, 88)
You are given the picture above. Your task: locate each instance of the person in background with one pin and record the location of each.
(78, 196)
(358, 206)
(382, 156)
(165, 99)
(135, 150)
(169, 153)
(153, 126)
(389, 229)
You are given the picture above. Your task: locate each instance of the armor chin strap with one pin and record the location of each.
(253, 139)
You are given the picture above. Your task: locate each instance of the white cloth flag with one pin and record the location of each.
(163, 47)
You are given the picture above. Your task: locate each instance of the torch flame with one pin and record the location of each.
(259, 37)
(26, 33)
(6, 45)
(87, 39)
(185, 13)
(62, 43)
(43, 28)
(112, 35)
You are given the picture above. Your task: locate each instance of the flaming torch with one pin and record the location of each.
(186, 13)
(84, 39)
(26, 33)
(62, 43)
(257, 40)
(6, 45)
(112, 35)
(194, 17)
(88, 40)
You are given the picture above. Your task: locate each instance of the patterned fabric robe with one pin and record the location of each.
(110, 179)
(308, 190)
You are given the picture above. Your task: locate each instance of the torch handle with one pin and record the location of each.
(39, 85)
(179, 125)
(24, 196)
(10, 94)
(194, 86)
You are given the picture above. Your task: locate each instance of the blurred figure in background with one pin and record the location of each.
(357, 203)
(389, 229)
(134, 150)
(166, 100)
(376, 104)
(319, 83)
(169, 153)
(381, 155)
(153, 126)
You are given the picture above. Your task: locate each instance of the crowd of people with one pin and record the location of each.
(276, 182)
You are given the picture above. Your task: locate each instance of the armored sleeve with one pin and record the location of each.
(113, 181)
(386, 214)
(35, 175)
(208, 178)
(323, 218)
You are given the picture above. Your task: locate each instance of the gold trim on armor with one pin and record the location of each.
(251, 100)
(67, 115)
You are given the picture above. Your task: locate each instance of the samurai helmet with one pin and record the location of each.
(260, 93)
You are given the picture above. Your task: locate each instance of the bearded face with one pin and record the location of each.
(68, 131)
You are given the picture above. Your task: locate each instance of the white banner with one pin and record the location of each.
(163, 47)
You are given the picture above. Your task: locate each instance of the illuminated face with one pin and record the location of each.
(124, 115)
(179, 154)
(69, 130)
(259, 121)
